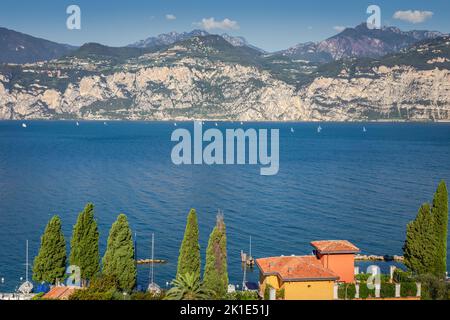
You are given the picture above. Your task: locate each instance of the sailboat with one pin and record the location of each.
(248, 263)
(364, 129)
(216, 124)
(78, 124)
(319, 129)
(27, 286)
(175, 124)
(292, 130)
(153, 287)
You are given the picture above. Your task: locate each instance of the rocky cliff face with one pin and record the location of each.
(399, 93)
(193, 82)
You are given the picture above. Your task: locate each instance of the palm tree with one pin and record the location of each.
(188, 287)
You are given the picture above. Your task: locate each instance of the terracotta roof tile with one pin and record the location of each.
(60, 293)
(295, 268)
(335, 246)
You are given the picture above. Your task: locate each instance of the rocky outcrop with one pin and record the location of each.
(389, 93)
(197, 82)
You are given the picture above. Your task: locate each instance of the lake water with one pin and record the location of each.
(340, 184)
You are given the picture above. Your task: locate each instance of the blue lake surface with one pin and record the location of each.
(340, 184)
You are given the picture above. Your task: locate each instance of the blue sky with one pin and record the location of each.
(269, 24)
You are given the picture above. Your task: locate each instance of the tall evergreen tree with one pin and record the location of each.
(50, 264)
(118, 260)
(419, 249)
(440, 216)
(84, 251)
(215, 277)
(189, 261)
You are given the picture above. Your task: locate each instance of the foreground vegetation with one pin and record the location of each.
(114, 276)
(425, 249)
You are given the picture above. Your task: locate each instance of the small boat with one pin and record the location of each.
(152, 286)
(78, 124)
(364, 129)
(175, 124)
(105, 123)
(242, 123)
(24, 125)
(216, 124)
(319, 129)
(292, 130)
(27, 287)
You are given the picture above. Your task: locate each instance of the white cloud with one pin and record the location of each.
(415, 16)
(339, 28)
(211, 23)
(170, 17)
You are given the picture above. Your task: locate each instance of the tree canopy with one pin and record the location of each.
(50, 263)
(84, 251)
(118, 260)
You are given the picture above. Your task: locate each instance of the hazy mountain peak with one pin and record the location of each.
(17, 47)
(173, 37)
(359, 41)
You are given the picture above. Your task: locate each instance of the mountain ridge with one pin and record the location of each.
(18, 47)
(359, 41)
(208, 78)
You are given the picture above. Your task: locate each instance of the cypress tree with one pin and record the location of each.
(84, 244)
(50, 264)
(189, 261)
(440, 217)
(215, 277)
(118, 260)
(419, 250)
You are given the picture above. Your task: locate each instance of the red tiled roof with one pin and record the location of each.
(294, 268)
(60, 293)
(335, 246)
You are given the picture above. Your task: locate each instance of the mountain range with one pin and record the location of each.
(359, 42)
(359, 74)
(16, 47)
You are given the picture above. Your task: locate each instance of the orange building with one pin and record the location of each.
(309, 277)
(338, 256)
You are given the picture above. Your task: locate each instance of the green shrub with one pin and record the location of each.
(242, 295)
(434, 288)
(103, 283)
(385, 278)
(90, 295)
(362, 277)
(101, 287)
(408, 289)
(38, 296)
(387, 290)
(365, 292)
(347, 291)
(402, 276)
(147, 296)
(267, 292)
(280, 294)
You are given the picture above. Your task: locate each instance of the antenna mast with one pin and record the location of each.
(26, 265)
(153, 258)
